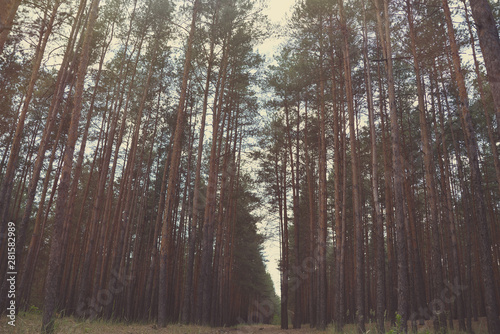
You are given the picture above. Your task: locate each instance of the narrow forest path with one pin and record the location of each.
(267, 329)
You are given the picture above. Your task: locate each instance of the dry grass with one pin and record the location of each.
(479, 327)
(29, 323)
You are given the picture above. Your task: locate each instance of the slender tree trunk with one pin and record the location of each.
(389, 209)
(489, 41)
(153, 263)
(312, 220)
(7, 15)
(479, 77)
(219, 215)
(402, 258)
(98, 201)
(286, 248)
(485, 255)
(449, 218)
(29, 261)
(356, 195)
(8, 177)
(379, 225)
(6, 151)
(295, 196)
(173, 175)
(281, 194)
(439, 320)
(188, 307)
(61, 82)
(53, 272)
(81, 154)
(211, 198)
(343, 237)
(322, 222)
(467, 212)
(128, 176)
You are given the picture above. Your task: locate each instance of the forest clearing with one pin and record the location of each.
(182, 166)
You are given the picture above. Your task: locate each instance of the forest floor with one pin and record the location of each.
(29, 323)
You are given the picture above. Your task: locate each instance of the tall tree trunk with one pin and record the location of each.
(124, 215)
(295, 195)
(188, 304)
(281, 194)
(377, 220)
(7, 15)
(98, 201)
(356, 194)
(221, 212)
(489, 41)
(61, 82)
(8, 178)
(53, 271)
(322, 222)
(211, 198)
(402, 258)
(312, 220)
(486, 111)
(485, 255)
(467, 210)
(153, 263)
(440, 317)
(29, 261)
(173, 175)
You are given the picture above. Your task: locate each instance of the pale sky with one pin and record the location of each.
(277, 11)
(277, 8)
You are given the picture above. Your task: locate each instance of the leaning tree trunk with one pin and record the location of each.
(489, 42)
(485, 256)
(53, 271)
(479, 77)
(7, 184)
(7, 15)
(8, 178)
(61, 81)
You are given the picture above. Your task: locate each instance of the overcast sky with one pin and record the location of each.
(276, 11)
(278, 8)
